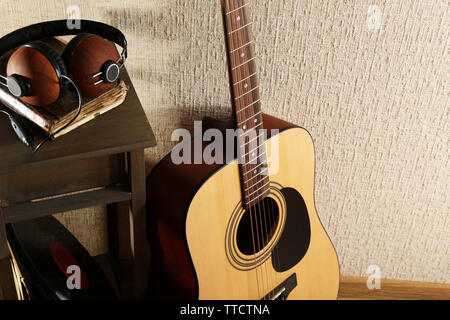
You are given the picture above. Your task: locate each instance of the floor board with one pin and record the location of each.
(356, 288)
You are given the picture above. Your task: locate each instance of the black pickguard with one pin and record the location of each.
(294, 242)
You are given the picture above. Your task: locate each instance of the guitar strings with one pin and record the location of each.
(229, 25)
(267, 230)
(251, 208)
(261, 236)
(255, 186)
(255, 208)
(272, 223)
(253, 220)
(261, 207)
(266, 235)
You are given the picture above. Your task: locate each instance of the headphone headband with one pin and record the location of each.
(56, 28)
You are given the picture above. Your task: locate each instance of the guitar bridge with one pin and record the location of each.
(282, 291)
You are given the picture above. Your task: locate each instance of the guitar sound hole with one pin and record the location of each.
(257, 226)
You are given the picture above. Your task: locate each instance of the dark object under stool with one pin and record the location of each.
(44, 249)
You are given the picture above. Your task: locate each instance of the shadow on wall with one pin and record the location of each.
(181, 68)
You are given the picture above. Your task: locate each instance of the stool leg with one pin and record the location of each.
(127, 224)
(139, 221)
(120, 250)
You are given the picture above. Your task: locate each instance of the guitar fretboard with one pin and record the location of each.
(246, 101)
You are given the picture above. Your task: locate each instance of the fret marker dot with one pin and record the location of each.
(245, 86)
(255, 172)
(242, 55)
(238, 18)
(256, 120)
(244, 127)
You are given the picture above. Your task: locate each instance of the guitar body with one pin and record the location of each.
(197, 223)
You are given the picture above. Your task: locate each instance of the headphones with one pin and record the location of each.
(38, 76)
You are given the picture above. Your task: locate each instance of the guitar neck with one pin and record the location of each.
(245, 100)
(241, 60)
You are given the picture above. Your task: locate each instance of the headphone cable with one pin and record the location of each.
(4, 112)
(80, 106)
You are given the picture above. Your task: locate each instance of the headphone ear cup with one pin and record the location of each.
(72, 45)
(41, 68)
(86, 56)
(56, 60)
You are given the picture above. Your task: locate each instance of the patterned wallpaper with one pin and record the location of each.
(368, 79)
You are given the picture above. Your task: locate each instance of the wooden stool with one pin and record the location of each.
(101, 162)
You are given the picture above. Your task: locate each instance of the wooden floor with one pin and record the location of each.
(355, 288)
(352, 288)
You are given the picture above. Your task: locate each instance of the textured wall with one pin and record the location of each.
(373, 93)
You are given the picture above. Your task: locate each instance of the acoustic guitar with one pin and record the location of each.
(246, 228)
